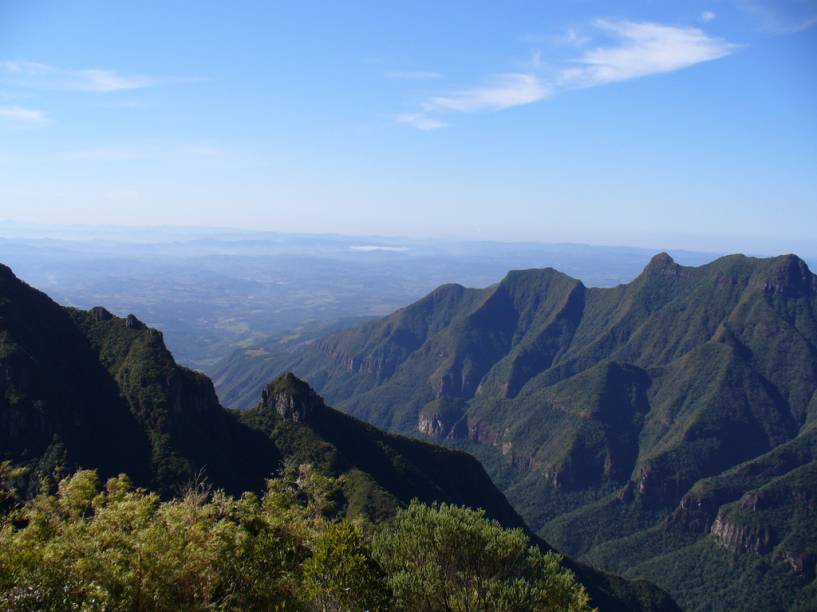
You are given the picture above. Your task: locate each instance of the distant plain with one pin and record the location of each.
(214, 290)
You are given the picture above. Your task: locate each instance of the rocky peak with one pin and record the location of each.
(6, 273)
(100, 314)
(791, 277)
(291, 398)
(661, 264)
(660, 269)
(131, 322)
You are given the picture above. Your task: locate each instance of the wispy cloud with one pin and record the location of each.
(501, 92)
(19, 116)
(34, 75)
(643, 49)
(571, 37)
(420, 121)
(781, 16)
(413, 75)
(632, 50)
(707, 16)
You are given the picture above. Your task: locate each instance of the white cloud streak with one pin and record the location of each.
(420, 121)
(571, 37)
(23, 117)
(708, 16)
(643, 49)
(503, 91)
(781, 16)
(634, 50)
(34, 75)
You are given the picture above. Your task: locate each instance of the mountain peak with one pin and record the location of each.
(661, 265)
(790, 276)
(661, 260)
(100, 314)
(131, 322)
(5, 272)
(292, 398)
(534, 275)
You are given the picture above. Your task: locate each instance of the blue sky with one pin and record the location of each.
(671, 125)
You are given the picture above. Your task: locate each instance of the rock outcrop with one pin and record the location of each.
(738, 538)
(443, 419)
(291, 398)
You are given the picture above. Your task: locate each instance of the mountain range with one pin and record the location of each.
(86, 389)
(663, 429)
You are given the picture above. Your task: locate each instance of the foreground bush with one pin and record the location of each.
(446, 557)
(118, 548)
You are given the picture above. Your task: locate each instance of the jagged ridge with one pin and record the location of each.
(594, 407)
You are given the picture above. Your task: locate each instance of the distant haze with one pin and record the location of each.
(214, 290)
(686, 125)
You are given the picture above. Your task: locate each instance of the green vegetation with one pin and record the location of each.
(382, 472)
(451, 558)
(121, 548)
(87, 390)
(626, 425)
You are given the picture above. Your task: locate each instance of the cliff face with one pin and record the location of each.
(802, 564)
(696, 513)
(442, 419)
(55, 395)
(742, 538)
(775, 518)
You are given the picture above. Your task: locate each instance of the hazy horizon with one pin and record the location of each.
(12, 228)
(663, 126)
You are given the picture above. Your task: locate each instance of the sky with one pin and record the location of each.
(662, 124)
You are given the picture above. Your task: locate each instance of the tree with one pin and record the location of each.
(122, 548)
(8, 477)
(341, 574)
(446, 557)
